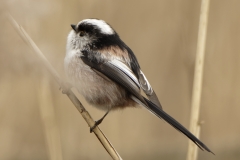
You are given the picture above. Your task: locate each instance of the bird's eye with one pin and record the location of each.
(82, 33)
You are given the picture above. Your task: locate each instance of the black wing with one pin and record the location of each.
(121, 74)
(144, 84)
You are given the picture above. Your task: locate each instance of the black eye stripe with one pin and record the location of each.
(82, 33)
(88, 28)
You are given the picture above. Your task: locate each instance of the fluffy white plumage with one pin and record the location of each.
(99, 92)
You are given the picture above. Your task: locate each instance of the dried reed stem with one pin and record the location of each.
(99, 134)
(197, 83)
(49, 122)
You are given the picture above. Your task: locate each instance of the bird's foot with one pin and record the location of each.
(95, 125)
(98, 122)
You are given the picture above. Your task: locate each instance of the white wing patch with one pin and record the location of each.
(145, 85)
(142, 82)
(123, 67)
(102, 25)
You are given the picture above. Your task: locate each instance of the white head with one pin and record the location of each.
(87, 31)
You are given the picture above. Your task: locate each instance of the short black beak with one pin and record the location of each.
(73, 27)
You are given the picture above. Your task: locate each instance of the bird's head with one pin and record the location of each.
(92, 32)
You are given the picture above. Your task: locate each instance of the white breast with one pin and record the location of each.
(97, 90)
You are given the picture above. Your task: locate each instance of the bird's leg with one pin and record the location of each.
(98, 122)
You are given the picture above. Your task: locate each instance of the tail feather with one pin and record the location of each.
(161, 114)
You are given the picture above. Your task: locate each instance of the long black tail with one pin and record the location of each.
(161, 114)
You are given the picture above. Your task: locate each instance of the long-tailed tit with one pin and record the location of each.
(106, 72)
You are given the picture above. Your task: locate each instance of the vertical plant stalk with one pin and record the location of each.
(197, 83)
(99, 134)
(49, 121)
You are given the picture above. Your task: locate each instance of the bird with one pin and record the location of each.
(106, 72)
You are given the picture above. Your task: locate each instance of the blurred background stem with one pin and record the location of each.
(197, 82)
(47, 113)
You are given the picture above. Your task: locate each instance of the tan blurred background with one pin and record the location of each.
(163, 35)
